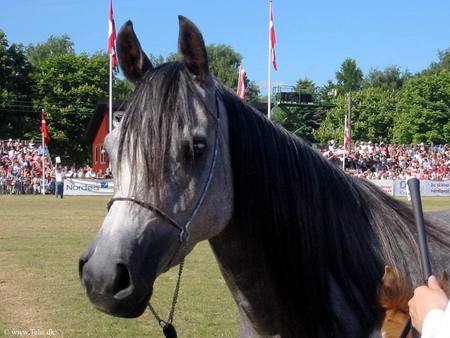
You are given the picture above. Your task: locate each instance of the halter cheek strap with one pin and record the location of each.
(145, 205)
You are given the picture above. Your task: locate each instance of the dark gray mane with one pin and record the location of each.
(302, 219)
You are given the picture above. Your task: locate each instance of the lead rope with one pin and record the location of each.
(166, 325)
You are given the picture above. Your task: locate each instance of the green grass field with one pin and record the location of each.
(41, 239)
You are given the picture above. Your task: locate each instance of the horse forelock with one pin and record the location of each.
(158, 116)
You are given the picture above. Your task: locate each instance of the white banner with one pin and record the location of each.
(390, 187)
(386, 185)
(427, 188)
(74, 186)
(438, 188)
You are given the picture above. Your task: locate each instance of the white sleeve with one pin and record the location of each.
(437, 324)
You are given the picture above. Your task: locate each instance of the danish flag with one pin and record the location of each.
(346, 133)
(112, 37)
(273, 39)
(44, 129)
(241, 82)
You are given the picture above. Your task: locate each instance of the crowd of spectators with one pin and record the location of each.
(21, 164)
(389, 161)
(21, 169)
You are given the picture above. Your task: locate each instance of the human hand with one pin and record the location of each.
(424, 300)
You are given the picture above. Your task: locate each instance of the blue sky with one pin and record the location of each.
(314, 37)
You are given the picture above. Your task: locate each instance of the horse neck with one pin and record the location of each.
(289, 233)
(254, 298)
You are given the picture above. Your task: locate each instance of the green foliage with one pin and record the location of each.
(224, 64)
(15, 89)
(327, 93)
(302, 121)
(68, 88)
(157, 60)
(122, 89)
(173, 57)
(306, 85)
(349, 77)
(373, 112)
(443, 62)
(54, 46)
(252, 91)
(423, 110)
(389, 78)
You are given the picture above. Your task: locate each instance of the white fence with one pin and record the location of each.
(427, 188)
(391, 187)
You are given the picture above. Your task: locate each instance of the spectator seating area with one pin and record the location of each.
(389, 161)
(21, 168)
(21, 164)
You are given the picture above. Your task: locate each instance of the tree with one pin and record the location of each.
(224, 65)
(122, 89)
(389, 78)
(373, 111)
(252, 91)
(423, 110)
(328, 92)
(54, 46)
(302, 121)
(15, 89)
(443, 62)
(68, 88)
(306, 85)
(349, 77)
(157, 60)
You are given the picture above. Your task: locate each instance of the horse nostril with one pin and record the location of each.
(81, 263)
(122, 279)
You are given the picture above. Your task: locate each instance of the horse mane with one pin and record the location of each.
(302, 219)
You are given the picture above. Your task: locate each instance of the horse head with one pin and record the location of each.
(172, 174)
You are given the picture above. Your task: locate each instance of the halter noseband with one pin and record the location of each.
(184, 233)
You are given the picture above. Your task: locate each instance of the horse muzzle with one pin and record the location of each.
(113, 288)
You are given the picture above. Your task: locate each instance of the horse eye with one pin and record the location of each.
(199, 148)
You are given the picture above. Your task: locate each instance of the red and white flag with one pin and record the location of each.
(112, 37)
(273, 39)
(44, 129)
(241, 82)
(346, 134)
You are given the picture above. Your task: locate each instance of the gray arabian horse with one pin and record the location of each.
(301, 246)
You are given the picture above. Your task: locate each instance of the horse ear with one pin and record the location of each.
(193, 49)
(132, 59)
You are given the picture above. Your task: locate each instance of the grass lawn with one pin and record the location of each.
(41, 239)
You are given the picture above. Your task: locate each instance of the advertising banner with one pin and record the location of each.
(74, 186)
(386, 185)
(438, 188)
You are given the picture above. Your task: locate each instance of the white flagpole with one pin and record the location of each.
(43, 158)
(269, 81)
(343, 148)
(110, 93)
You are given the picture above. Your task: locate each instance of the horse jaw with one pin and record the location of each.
(120, 266)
